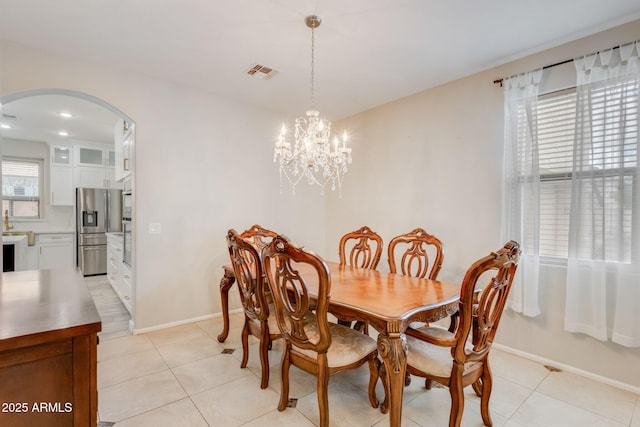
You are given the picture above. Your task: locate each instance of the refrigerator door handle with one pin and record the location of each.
(93, 248)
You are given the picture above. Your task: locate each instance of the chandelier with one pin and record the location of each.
(312, 155)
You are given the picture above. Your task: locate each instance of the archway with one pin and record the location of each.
(58, 220)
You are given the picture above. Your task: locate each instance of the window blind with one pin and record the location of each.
(21, 182)
(614, 131)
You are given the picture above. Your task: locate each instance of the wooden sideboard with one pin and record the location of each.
(48, 350)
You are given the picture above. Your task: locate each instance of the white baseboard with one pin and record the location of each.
(533, 357)
(180, 322)
(569, 368)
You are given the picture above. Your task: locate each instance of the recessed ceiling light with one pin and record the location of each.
(5, 126)
(65, 114)
(63, 133)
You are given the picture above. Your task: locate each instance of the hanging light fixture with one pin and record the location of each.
(313, 155)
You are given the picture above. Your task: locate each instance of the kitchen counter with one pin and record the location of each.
(48, 348)
(10, 240)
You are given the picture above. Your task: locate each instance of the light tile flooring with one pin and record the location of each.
(181, 377)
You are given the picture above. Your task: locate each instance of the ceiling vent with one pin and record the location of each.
(261, 72)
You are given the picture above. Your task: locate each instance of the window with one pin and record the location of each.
(556, 128)
(614, 133)
(21, 187)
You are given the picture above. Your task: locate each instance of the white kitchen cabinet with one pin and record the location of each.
(61, 181)
(61, 155)
(126, 286)
(90, 156)
(124, 142)
(55, 250)
(61, 186)
(95, 167)
(99, 155)
(88, 177)
(114, 259)
(118, 273)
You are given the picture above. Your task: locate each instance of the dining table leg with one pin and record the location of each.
(225, 284)
(392, 348)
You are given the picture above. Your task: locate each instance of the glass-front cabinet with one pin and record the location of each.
(95, 156)
(88, 156)
(61, 155)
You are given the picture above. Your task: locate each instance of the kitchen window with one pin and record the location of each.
(21, 187)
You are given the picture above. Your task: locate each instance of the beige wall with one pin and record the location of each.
(434, 160)
(203, 164)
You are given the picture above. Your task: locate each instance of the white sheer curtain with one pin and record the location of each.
(521, 205)
(603, 272)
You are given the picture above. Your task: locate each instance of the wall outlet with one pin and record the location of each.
(155, 228)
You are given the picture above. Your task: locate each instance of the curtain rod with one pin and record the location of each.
(499, 81)
(566, 61)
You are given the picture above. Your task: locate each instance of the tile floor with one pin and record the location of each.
(181, 377)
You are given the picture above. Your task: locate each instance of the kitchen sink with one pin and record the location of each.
(31, 236)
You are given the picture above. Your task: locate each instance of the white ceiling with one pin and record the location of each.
(37, 119)
(368, 52)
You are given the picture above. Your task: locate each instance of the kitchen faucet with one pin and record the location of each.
(7, 226)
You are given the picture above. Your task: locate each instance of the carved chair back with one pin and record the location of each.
(415, 260)
(258, 236)
(289, 289)
(361, 253)
(249, 275)
(483, 295)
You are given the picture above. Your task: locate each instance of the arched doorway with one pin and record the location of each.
(72, 136)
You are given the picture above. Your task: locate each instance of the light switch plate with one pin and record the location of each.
(154, 228)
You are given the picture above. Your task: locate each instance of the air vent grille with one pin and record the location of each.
(261, 71)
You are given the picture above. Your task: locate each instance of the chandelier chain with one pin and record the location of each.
(313, 45)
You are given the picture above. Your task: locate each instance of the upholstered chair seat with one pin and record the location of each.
(435, 359)
(347, 345)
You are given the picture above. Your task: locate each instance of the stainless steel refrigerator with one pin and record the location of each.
(98, 211)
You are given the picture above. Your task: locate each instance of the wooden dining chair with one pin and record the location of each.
(260, 237)
(453, 360)
(418, 247)
(361, 248)
(259, 320)
(312, 343)
(422, 256)
(358, 246)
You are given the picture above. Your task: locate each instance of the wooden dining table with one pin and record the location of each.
(388, 302)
